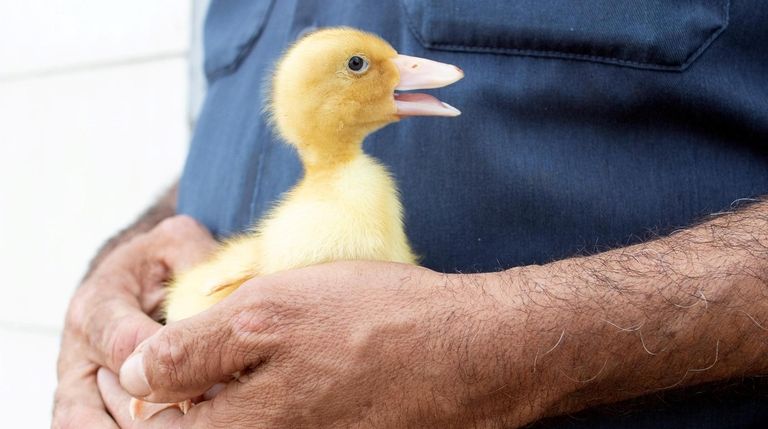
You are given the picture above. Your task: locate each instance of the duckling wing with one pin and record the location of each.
(193, 291)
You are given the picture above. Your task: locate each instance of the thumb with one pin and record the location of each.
(185, 358)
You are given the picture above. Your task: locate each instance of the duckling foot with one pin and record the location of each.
(142, 410)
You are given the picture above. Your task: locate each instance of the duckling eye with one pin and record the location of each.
(357, 64)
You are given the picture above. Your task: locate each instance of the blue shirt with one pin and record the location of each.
(586, 125)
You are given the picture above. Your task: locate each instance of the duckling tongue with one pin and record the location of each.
(423, 105)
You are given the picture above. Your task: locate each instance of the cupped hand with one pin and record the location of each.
(109, 314)
(363, 344)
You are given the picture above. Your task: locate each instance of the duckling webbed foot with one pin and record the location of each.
(143, 410)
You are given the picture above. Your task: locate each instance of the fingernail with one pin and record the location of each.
(133, 378)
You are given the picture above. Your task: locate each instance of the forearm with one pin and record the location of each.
(163, 208)
(686, 309)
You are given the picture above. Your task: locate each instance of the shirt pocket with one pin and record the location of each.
(664, 35)
(231, 29)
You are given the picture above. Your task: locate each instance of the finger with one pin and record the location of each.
(118, 401)
(114, 327)
(187, 357)
(77, 402)
(264, 399)
(182, 242)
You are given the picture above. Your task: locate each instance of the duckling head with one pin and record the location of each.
(335, 86)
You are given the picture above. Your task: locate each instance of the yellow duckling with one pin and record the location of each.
(329, 91)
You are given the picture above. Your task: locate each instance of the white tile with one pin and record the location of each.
(43, 34)
(80, 156)
(27, 378)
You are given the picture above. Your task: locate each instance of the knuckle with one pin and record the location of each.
(255, 333)
(260, 312)
(245, 324)
(83, 309)
(245, 329)
(75, 314)
(176, 226)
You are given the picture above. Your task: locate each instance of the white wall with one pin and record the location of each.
(94, 114)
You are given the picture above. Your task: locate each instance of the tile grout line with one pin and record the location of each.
(85, 67)
(7, 325)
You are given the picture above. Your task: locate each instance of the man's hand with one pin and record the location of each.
(108, 315)
(344, 344)
(385, 345)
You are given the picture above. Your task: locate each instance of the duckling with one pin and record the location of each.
(329, 91)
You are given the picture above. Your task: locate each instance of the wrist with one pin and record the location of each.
(511, 327)
(554, 367)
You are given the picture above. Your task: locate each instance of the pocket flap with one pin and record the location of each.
(654, 34)
(231, 29)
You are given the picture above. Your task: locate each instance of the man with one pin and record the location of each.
(583, 129)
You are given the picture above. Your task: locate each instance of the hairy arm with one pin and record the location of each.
(686, 309)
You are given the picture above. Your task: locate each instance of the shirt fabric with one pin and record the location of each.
(586, 125)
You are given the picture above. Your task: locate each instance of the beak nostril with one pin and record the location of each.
(414, 66)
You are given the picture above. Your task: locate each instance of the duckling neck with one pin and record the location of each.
(323, 157)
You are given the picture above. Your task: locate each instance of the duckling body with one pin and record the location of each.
(348, 212)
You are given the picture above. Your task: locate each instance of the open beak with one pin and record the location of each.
(420, 73)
